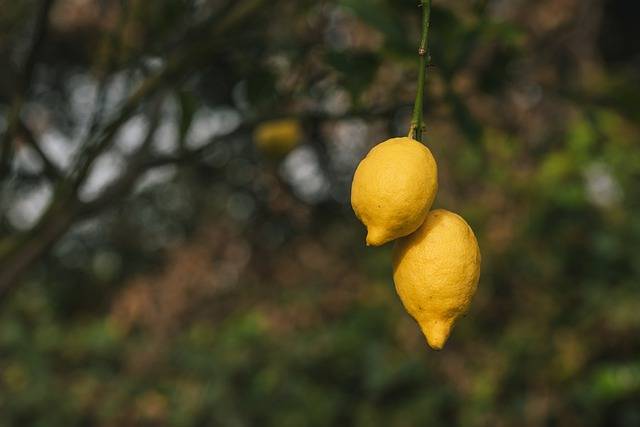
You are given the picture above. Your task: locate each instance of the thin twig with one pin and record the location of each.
(103, 66)
(50, 169)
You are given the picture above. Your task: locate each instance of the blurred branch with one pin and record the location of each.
(237, 15)
(22, 86)
(175, 67)
(139, 165)
(67, 209)
(50, 170)
(135, 167)
(64, 211)
(53, 225)
(103, 66)
(198, 153)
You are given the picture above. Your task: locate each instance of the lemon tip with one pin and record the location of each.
(436, 333)
(375, 238)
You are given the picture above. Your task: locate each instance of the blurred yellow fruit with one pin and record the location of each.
(393, 189)
(436, 272)
(278, 137)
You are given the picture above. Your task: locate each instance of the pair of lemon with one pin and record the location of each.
(436, 259)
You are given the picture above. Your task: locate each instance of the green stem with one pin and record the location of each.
(417, 124)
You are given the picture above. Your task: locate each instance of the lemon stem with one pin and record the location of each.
(417, 124)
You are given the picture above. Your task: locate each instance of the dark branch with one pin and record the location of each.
(135, 167)
(22, 86)
(177, 66)
(66, 209)
(50, 169)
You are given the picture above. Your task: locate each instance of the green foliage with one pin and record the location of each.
(357, 70)
(385, 16)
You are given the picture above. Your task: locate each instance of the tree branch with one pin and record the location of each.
(50, 169)
(135, 168)
(28, 249)
(181, 61)
(22, 87)
(66, 209)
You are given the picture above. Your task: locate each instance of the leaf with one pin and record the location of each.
(261, 87)
(357, 69)
(188, 107)
(380, 15)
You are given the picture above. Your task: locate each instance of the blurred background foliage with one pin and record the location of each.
(161, 266)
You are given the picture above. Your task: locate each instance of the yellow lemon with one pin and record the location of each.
(436, 272)
(393, 189)
(278, 137)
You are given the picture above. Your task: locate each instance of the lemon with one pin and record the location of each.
(393, 189)
(278, 137)
(436, 272)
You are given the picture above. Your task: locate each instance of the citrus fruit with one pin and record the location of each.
(393, 189)
(278, 137)
(436, 272)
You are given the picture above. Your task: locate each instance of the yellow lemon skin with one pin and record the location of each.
(278, 137)
(436, 272)
(393, 189)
